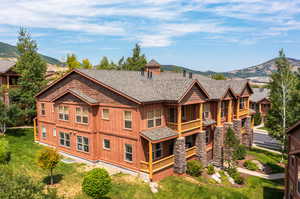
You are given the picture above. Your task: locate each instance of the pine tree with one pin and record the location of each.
(72, 62)
(32, 70)
(86, 64)
(282, 85)
(105, 65)
(136, 61)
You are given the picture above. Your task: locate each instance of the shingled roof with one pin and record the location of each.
(168, 86)
(159, 133)
(152, 63)
(259, 94)
(5, 65)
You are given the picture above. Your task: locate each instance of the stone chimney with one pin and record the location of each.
(153, 66)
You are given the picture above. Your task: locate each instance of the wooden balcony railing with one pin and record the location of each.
(243, 112)
(185, 126)
(165, 162)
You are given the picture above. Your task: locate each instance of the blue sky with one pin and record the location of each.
(219, 35)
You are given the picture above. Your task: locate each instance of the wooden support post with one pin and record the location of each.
(219, 114)
(252, 122)
(7, 81)
(248, 105)
(238, 109)
(150, 161)
(259, 107)
(201, 116)
(179, 118)
(34, 128)
(229, 111)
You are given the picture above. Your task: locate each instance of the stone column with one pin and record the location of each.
(247, 137)
(201, 148)
(218, 147)
(179, 156)
(237, 125)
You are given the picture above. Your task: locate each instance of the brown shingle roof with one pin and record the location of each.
(152, 63)
(159, 133)
(5, 65)
(259, 94)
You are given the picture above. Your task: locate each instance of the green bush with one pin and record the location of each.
(96, 183)
(257, 119)
(250, 165)
(210, 169)
(194, 168)
(240, 152)
(232, 172)
(4, 151)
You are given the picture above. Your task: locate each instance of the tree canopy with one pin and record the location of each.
(72, 62)
(86, 64)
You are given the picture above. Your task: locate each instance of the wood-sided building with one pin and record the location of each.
(146, 122)
(259, 101)
(292, 171)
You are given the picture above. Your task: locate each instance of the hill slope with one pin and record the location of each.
(9, 51)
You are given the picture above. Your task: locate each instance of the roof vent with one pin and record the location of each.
(190, 75)
(184, 73)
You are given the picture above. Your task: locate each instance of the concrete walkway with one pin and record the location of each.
(274, 176)
(270, 150)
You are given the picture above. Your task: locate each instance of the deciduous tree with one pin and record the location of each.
(72, 62)
(86, 64)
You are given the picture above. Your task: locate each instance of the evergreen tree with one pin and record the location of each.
(136, 61)
(282, 86)
(32, 70)
(86, 64)
(105, 65)
(72, 62)
(121, 63)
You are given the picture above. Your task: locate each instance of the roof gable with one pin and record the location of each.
(194, 94)
(229, 94)
(77, 94)
(247, 91)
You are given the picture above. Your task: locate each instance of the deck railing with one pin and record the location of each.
(165, 162)
(243, 112)
(185, 126)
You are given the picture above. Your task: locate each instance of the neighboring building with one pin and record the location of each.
(146, 123)
(8, 78)
(292, 171)
(259, 101)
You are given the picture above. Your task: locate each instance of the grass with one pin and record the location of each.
(267, 158)
(70, 176)
(264, 128)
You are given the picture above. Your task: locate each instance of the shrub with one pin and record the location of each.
(194, 168)
(240, 152)
(96, 183)
(257, 119)
(210, 169)
(250, 165)
(4, 151)
(232, 172)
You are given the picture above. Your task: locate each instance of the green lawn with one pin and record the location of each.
(268, 158)
(69, 177)
(264, 128)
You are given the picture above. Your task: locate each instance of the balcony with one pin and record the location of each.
(243, 112)
(165, 162)
(185, 126)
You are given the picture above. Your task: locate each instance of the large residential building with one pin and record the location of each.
(292, 171)
(148, 122)
(259, 101)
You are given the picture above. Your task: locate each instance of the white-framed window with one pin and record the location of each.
(63, 113)
(154, 118)
(64, 139)
(157, 151)
(127, 119)
(223, 108)
(206, 111)
(82, 115)
(82, 143)
(44, 132)
(106, 144)
(128, 152)
(43, 109)
(105, 114)
(54, 131)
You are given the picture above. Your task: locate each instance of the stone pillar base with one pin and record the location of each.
(201, 148)
(248, 135)
(237, 125)
(218, 147)
(179, 156)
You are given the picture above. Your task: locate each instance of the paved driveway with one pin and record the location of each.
(262, 139)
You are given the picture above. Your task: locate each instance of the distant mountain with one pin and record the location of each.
(263, 69)
(9, 51)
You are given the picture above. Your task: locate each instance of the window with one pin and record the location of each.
(82, 115)
(206, 111)
(128, 152)
(106, 144)
(127, 119)
(43, 109)
(207, 136)
(82, 143)
(105, 114)
(154, 118)
(223, 109)
(64, 139)
(157, 152)
(44, 132)
(172, 115)
(54, 131)
(63, 113)
(243, 104)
